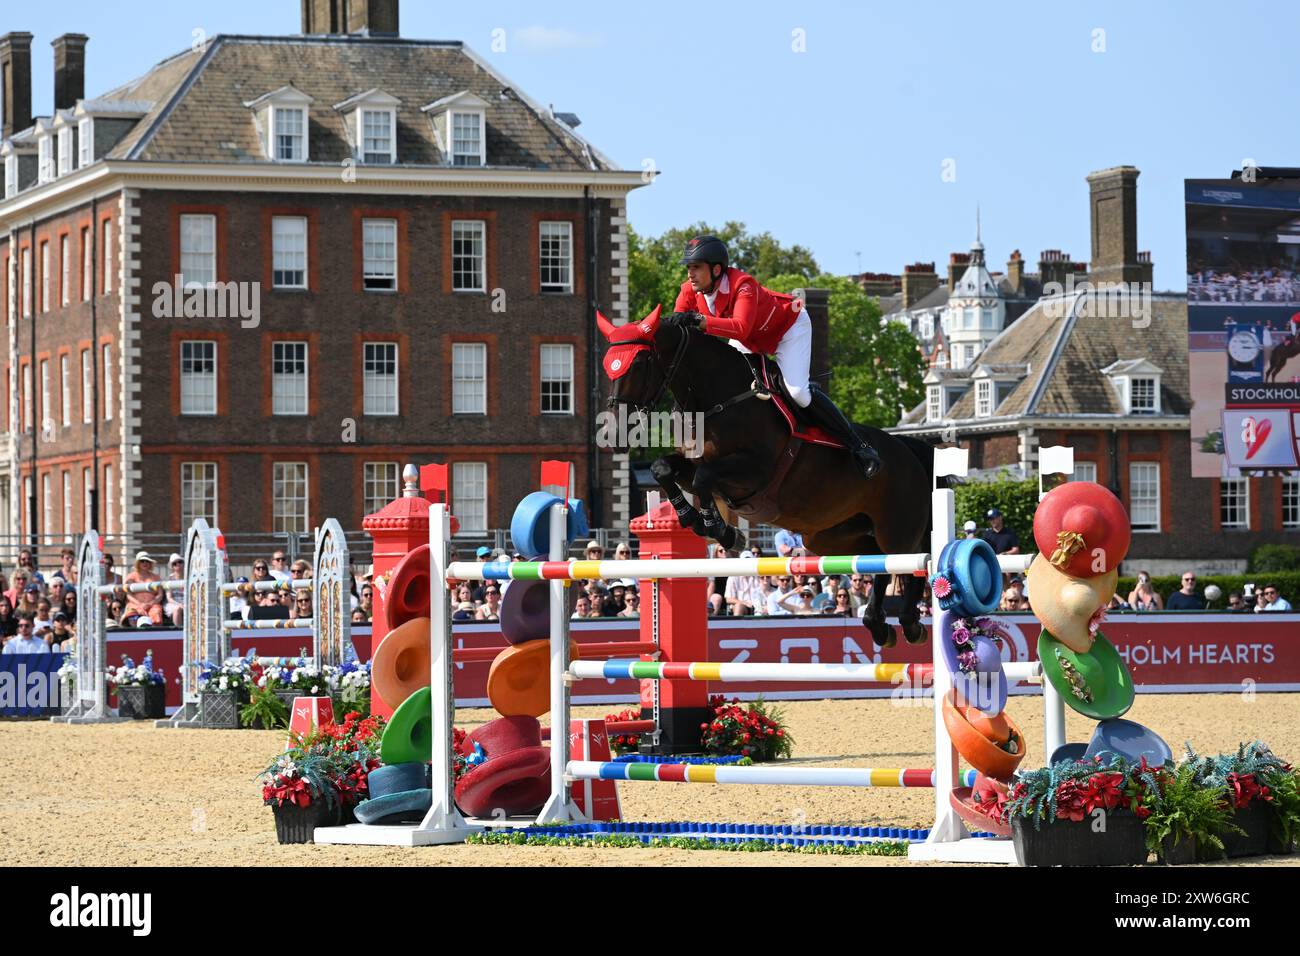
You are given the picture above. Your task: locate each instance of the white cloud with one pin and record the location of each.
(556, 38)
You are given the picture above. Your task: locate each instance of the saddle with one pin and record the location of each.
(763, 505)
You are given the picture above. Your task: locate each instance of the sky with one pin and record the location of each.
(867, 132)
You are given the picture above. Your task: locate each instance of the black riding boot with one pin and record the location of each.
(829, 416)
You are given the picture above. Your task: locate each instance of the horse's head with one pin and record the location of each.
(633, 364)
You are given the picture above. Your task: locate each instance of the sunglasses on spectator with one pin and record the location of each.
(24, 625)
(277, 557)
(1268, 591)
(259, 567)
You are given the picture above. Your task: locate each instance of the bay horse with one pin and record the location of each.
(822, 495)
(1280, 354)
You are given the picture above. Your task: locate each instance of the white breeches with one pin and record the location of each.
(793, 355)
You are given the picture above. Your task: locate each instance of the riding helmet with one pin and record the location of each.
(708, 249)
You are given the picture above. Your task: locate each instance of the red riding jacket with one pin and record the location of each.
(757, 318)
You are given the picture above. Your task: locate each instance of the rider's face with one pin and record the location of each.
(700, 274)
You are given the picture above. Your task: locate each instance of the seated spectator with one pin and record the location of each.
(268, 607)
(843, 606)
(1143, 597)
(174, 598)
(593, 551)
(146, 607)
(581, 608)
(716, 591)
(279, 567)
(69, 606)
(1117, 603)
(614, 603)
(241, 599)
(1235, 603)
(491, 607)
(463, 594)
(68, 569)
(25, 560)
(8, 620)
(464, 611)
(261, 572)
(300, 570)
(859, 592)
(798, 602)
(21, 580)
(27, 604)
(1001, 538)
(367, 604)
(58, 587)
(115, 611)
(359, 616)
(25, 642)
(631, 605)
(301, 605)
(787, 543)
(622, 551)
(110, 575)
(744, 593)
(42, 621)
(1273, 601)
(59, 634)
(970, 530)
(1186, 598)
(784, 587)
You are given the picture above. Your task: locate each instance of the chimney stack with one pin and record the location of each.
(919, 280)
(958, 262)
(16, 82)
(69, 70)
(363, 17)
(1055, 266)
(1016, 273)
(1113, 199)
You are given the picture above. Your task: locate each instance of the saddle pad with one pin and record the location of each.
(800, 429)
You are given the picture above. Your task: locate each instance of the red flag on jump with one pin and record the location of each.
(433, 478)
(556, 473)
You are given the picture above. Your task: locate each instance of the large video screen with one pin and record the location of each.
(1243, 326)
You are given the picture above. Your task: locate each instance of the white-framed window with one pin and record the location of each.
(106, 361)
(289, 496)
(198, 249)
(87, 261)
(469, 494)
(380, 485)
(468, 378)
(555, 256)
(1142, 396)
(290, 135)
(983, 398)
(47, 420)
(378, 139)
(1144, 495)
(65, 271)
(65, 150)
(107, 498)
(198, 492)
(65, 391)
(379, 378)
(87, 519)
(1084, 471)
(47, 501)
(87, 387)
(45, 276)
(557, 379)
(1291, 501)
(289, 378)
(28, 413)
(45, 158)
(1234, 504)
(198, 378)
(66, 517)
(379, 254)
(468, 255)
(108, 256)
(289, 252)
(86, 142)
(934, 403)
(467, 139)
(25, 293)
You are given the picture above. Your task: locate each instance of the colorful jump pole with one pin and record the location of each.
(763, 775)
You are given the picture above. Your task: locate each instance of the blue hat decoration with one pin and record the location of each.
(530, 525)
(967, 579)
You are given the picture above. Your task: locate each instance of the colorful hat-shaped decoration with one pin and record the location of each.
(530, 528)
(401, 663)
(993, 746)
(1082, 528)
(988, 793)
(399, 793)
(975, 662)
(967, 578)
(1096, 683)
(526, 611)
(408, 738)
(1071, 608)
(407, 593)
(514, 775)
(1130, 740)
(519, 680)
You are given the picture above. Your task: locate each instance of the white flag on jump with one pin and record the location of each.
(951, 461)
(1056, 460)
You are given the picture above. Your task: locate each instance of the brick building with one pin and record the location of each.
(1107, 374)
(253, 283)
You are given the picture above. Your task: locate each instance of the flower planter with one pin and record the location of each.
(142, 701)
(287, 698)
(295, 824)
(1071, 843)
(1177, 854)
(219, 710)
(1256, 820)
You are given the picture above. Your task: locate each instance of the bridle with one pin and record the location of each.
(670, 372)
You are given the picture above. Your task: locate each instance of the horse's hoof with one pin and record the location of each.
(881, 632)
(738, 542)
(914, 632)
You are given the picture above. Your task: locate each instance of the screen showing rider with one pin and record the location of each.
(726, 302)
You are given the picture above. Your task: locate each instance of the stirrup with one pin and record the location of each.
(759, 391)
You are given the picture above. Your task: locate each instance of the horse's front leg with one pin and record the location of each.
(667, 473)
(707, 476)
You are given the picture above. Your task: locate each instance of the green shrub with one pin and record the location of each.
(1271, 558)
(1017, 499)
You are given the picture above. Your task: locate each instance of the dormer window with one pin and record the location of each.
(1137, 385)
(45, 158)
(65, 150)
(371, 119)
(934, 403)
(460, 127)
(85, 142)
(283, 121)
(984, 398)
(1142, 396)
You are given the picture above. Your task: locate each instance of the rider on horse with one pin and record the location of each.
(730, 304)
